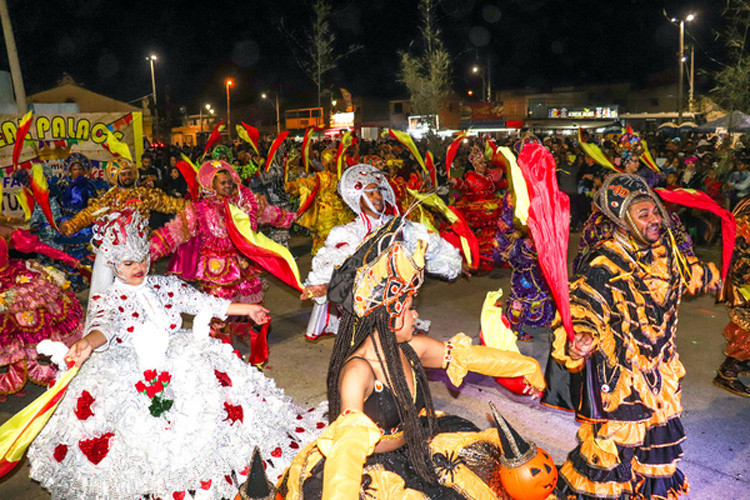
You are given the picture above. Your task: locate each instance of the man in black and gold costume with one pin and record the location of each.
(622, 373)
(122, 175)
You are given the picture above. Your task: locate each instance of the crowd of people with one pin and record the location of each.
(157, 410)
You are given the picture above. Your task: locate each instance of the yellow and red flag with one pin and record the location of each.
(190, 176)
(595, 153)
(647, 158)
(346, 142)
(269, 255)
(23, 128)
(249, 134)
(517, 184)
(408, 142)
(451, 152)
(306, 199)
(26, 200)
(274, 147)
(40, 188)
(430, 164)
(116, 147)
(20, 430)
(306, 146)
(214, 138)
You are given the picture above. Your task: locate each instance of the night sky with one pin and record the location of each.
(533, 43)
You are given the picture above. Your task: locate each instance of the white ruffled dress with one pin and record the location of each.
(103, 440)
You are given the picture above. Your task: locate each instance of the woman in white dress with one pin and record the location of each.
(157, 411)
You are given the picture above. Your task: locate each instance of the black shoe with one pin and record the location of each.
(733, 386)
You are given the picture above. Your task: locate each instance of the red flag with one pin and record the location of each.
(347, 141)
(549, 225)
(451, 152)
(23, 128)
(253, 136)
(698, 199)
(214, 138)
(274, 146)
(269, 255)
(40, 188)
(306, 146)
(460, 235)
(190, 176)
(429, 162)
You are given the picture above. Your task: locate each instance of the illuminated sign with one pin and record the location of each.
(420, 125)
(598, 112)
(342, 120)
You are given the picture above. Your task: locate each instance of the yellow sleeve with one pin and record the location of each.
(157, 200)
(461, 357)
(346, 444)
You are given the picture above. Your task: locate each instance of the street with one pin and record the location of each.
(717, 450)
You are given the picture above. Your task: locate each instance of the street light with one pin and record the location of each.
(229, 83)
(278, 118)
(200, 119)
(486, 82)
(155, 124)
(681, 62)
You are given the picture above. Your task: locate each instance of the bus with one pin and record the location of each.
(300, 119)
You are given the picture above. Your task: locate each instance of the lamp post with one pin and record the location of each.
(478, 71)
(229, 83)
(278, 117)
(155, 123)
(681, 61)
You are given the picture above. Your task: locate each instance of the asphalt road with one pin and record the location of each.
(717, 450)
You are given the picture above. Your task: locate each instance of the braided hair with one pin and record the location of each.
(353, 331)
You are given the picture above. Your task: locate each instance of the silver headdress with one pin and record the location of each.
(356, 178)
(121, 236)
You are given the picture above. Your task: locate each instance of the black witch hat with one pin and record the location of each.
(257, 486)
(516, 450)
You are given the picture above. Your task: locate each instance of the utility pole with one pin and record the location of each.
(489, 78)
(692, 79)
(681, 61)
(15, 66)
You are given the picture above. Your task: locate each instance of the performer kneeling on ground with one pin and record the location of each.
(385, 436)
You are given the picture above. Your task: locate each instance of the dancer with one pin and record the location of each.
(34, 305)
(205, 251)
(624, 380)
(367, 192)
(529, 302)
(122, 176)
(157, 411)
(479, 205)
(327, 210)
(734, 293)
(385, 439)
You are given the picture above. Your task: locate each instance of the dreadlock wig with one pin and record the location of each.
(372, 287)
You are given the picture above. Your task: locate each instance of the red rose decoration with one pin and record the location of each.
(168, 306)
(299, 417)
(276, 453)
(299, 429)
(158, 387)
(151, 391)
(224, 379)
(140, 386)
(172, 326)
(178, 495)
(124, 297)
(206, 485)
(83, 406)
(97, 448)
(157, 286)
(130, 329)
(170, 294)
(60, 451)
(135, 314)
(228, 479)
(122, 309)
(234, 413)
(96, 297)
(320, 425)
(149, 375)
(165, 377)
(294, 445)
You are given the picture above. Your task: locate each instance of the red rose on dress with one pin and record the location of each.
(158, 387)
(83, 406)
(234, 413)
(224, 379)
(294, 445)
(149, 375)
(97, 448)
(165, 377)
(206, 485)
(61, 451)
(276, 453)
(151, 391)
(178, 495)
(140, 386)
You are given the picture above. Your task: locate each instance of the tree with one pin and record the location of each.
(732, 91)
(427, 76)
(318, 56)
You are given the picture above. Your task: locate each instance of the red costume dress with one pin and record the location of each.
(481, 209)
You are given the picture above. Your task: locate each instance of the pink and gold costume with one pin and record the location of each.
(206, 253)
(34, 306)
